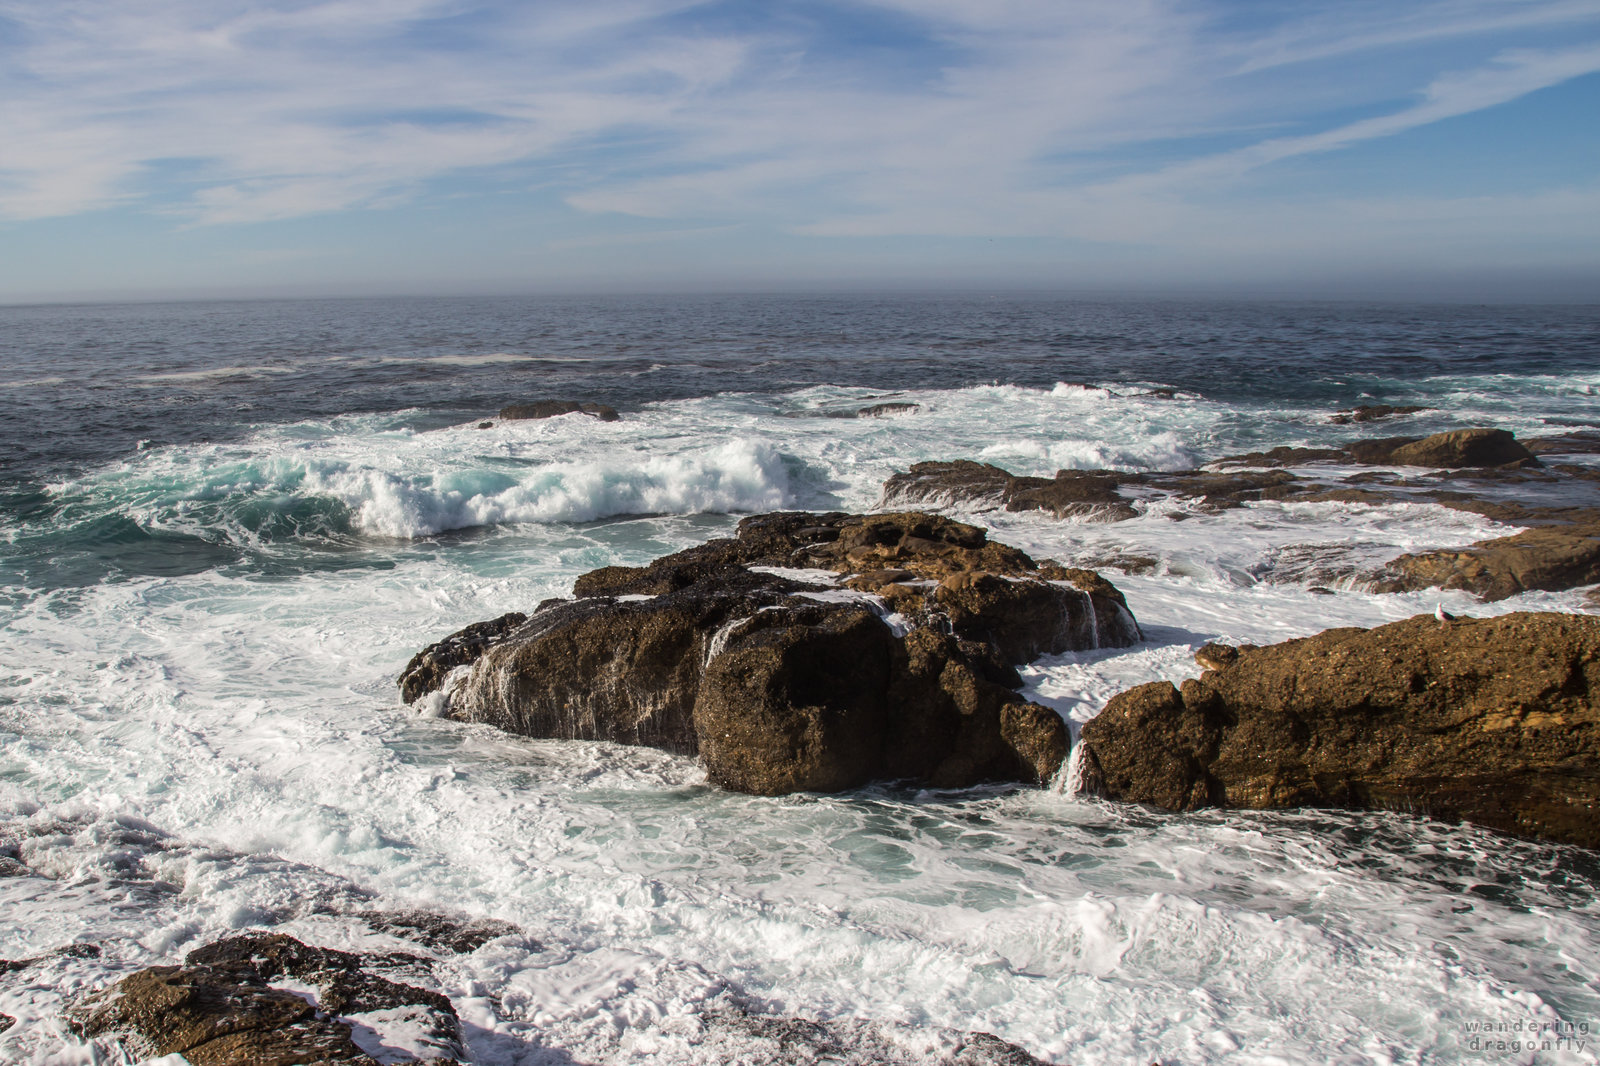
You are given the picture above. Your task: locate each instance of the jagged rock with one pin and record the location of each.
(880, 410)
(1493, 720)
(220, 1006)
(1552, 558)
(459, 935)
(71, 951)
(1372, 412)
(780, 684)
(1578, 442)
(555, 408)
(6, 1022)
(429, 667)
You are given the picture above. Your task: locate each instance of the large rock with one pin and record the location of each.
(221, 1006)
(808, 652)
(1494, 720)
(1454, 450)
(1551, 558)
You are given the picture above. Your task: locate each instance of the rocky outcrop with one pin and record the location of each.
(221, 1006)
(1457, 449)
(1551, 558)
(1088, 495)
(808, 652)
(555, 408)
(1493, 720)
(883, 410)
(1372, 412)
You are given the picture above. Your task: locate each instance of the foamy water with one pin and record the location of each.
(217, 745)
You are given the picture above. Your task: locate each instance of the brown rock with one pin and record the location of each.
(1552, 558)
(429, 667)
(555, 408)
(220, 1008)
(1495, 720)
(1462, 447)
(779, 685)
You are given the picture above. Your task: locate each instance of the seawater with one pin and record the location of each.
(225, 527)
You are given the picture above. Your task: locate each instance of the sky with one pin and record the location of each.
(1423, 148)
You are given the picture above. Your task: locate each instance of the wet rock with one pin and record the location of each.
(1372, 413)
(881, 410)
(429, 667)
(461, 936)
(1494, 720)
(1457, 449)
(780, 684)
(6, 1022)
(556, 408)
(1578, 442)
(734, 1035)
(1551, 558)
(220, 1006)
(71, 951)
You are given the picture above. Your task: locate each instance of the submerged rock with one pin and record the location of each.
(750, 653)
(555, 408)
(1372, 412)
(221, 1006)
(734, 1035)
(881, 410)
(1495, 721)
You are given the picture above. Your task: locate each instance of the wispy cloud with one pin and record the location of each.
(1098, 120)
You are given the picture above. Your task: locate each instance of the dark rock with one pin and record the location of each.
(6, 1022)
(779, 685)
(459, 935)
(961, 483)
(485, 425)
(1580, 442)
(555, 408)
(1493, 720)
(1550, 558)
(734, 1035)
(1285, 456)
(879, 410)
(1372, 413)
(429, 667)
(220, 1007)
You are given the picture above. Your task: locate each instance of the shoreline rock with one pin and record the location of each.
(556, 408)
(807, 652)
(1494, 721)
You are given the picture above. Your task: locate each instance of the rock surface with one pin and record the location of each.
(1456, 449)
(1372, 412)
(751, 654)
(1551, 558)
(220, 1006)
(1495, 721)
(881, 410)
(555, 408)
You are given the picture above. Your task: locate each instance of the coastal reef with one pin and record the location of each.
(809, 652)
(1477, 470)
(1493, 720)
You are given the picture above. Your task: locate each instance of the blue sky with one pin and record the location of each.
(213, 147)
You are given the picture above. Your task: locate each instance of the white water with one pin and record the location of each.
(188, 756)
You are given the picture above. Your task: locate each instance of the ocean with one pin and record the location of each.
(225, 527)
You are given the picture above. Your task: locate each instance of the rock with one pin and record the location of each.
(71, 951)
(1089, 495)
(220, 1006)
(736, 1035)
(1578, 442)
(1552, 558)
(881, 410)
(555, 408)
(1493, 720)
(1372, 413)
(6, 1022)
(1456, 449)
(429, 667)
(461, 936)
(485, 425)
(780, 684)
